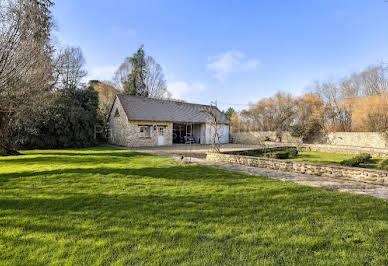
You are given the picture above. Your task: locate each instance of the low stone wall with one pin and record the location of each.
(258, 137)
(260, 150)
(327, 170)
(344, 149)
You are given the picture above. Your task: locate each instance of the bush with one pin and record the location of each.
(278, 155)
(357, 160)
(306, 132)
(383, 165)
(69, 120)
(297, 131)
(293, 152)
(352, 162)
(364, 157)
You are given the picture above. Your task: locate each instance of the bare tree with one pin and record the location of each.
(122, 73)
(373, 80)
(25, 59)
(369, 82)
(212, 121)
(351, 86)
(337, 114)
(154, 81)
(270, 114)
(70, 67)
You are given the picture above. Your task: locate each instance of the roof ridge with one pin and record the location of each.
(164, 100)
(144, 108)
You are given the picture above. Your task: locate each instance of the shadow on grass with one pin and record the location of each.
(164, 208)
(187, 172)
(71, 158)
(143, 210)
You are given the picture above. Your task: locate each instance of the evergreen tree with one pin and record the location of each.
(141, 75)
(136, 79)
(229, 112)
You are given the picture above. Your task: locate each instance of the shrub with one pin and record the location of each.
(364, 157)
(297, 131)
(293, 152)
(306, 132)
(68, 120)
(278, 155)
(357, 160)
(352, 162)
(383, 165)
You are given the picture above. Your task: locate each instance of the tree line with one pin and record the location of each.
(358, 102)
(44, 102)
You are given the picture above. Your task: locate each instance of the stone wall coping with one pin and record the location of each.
(300, 145)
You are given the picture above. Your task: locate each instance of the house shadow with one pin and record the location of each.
(176, 172)
(180, 209)
(70, 158)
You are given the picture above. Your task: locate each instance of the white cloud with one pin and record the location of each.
(101, 72)
(181, 88)
(230, 62)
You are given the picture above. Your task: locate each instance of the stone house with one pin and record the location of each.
(138, 121)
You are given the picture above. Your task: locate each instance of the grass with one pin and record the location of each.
(334, 158)
(106, 206)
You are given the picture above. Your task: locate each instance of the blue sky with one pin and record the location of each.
(229, 51)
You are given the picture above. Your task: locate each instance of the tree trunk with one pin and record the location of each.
(5, 146)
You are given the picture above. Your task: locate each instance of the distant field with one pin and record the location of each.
(106, 206)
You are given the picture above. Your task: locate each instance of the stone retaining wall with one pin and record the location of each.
(373, 140)
(257, 137)
(354, 139)
(327, 170)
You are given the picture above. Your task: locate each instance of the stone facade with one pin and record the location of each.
(327, 170)
(127, 133)
(130, 133)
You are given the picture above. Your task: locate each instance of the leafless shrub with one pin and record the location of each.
(212, 121)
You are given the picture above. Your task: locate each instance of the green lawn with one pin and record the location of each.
(336, 158)
(107, 206)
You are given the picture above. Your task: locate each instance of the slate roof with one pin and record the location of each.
(142, 108)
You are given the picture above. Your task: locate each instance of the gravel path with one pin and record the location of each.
(341, 185)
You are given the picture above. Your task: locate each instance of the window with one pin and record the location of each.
(145, 131)
(162, 131)
(117, 114)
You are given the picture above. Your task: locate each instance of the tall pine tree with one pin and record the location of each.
(136, 80)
